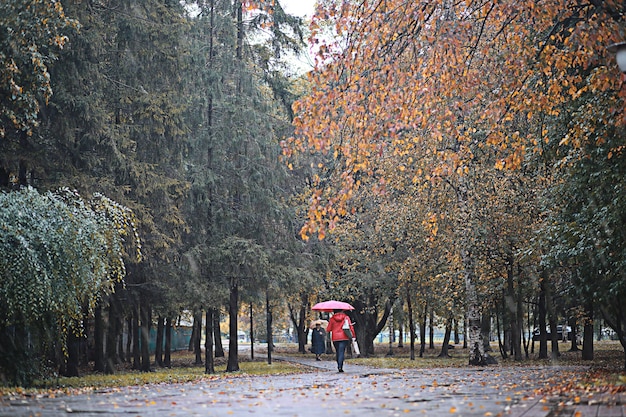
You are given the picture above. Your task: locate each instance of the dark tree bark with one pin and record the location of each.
(146, 319)
(73, 354)
(233, 345)
(120, 339)
(368, 325)
(84, 346)
(571, 322)
(299, 321)
(485, 331)
(409, 306)
(431, 329)
(158, 350)
(512, 307)
(541, 310)
(251, 333)
(167, 360)
(587, 353)
(519, 318)
(209, 362)
(270, 336)
(197, 336)
(98, 340)
(554, 339)
(400, 322)
(446, 340)
(111, 339)
(217, 335)
(136, 337)
(129, 339)
(502, 344)
(424, 317)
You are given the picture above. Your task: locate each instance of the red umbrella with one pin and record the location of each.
(331, 305)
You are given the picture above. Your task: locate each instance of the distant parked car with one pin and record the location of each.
(560, 335)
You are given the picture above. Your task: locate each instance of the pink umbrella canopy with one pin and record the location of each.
(332, 305)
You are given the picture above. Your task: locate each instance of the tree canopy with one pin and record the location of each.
(31, 35)
(440, 95)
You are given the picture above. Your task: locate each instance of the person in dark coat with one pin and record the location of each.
(318, 341)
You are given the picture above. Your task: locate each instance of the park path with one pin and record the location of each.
(360, 391)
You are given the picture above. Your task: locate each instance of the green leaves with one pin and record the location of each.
(59, 253)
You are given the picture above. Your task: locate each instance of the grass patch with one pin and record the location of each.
(182, 371)
(607, 368)
(608, 357)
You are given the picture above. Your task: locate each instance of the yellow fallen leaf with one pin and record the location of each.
(452, 410)
(578, 414)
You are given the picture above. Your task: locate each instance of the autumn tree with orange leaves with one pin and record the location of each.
(442, 87)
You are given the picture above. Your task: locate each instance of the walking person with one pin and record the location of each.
(342, 333)
(318, 341)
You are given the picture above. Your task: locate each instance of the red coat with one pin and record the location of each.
(335, 325)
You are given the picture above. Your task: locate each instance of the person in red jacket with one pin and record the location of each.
(341, 336)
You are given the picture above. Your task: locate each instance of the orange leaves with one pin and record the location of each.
(414, 91)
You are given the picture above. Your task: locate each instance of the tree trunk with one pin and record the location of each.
(587, 353)
(129, 338)
(197, 340)
(477, 355)
(502, 344)
(465, 325)
(554, 339)
(233, 308)
(485, 330)
(251, 333)
(136, 338)
(446, 340)
(73, 353)
(111, 339)
(209, 362)
(431, 329)
(409, 306)
(367, 327)
(120, 339)
(391, 335)
(423, 331)
(194, 334)
(400, 323)
(299, 321)
(543, 339)
(270, 336)
(158, 350)
(98, 340)
(146, 319)
(217, 335)
(167, 360)
(519, 322)
(512, 306)
(84, 342)
(571, 322)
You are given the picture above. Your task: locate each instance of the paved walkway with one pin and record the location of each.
(362, 391)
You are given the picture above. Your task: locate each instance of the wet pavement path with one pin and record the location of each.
(362, 391)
